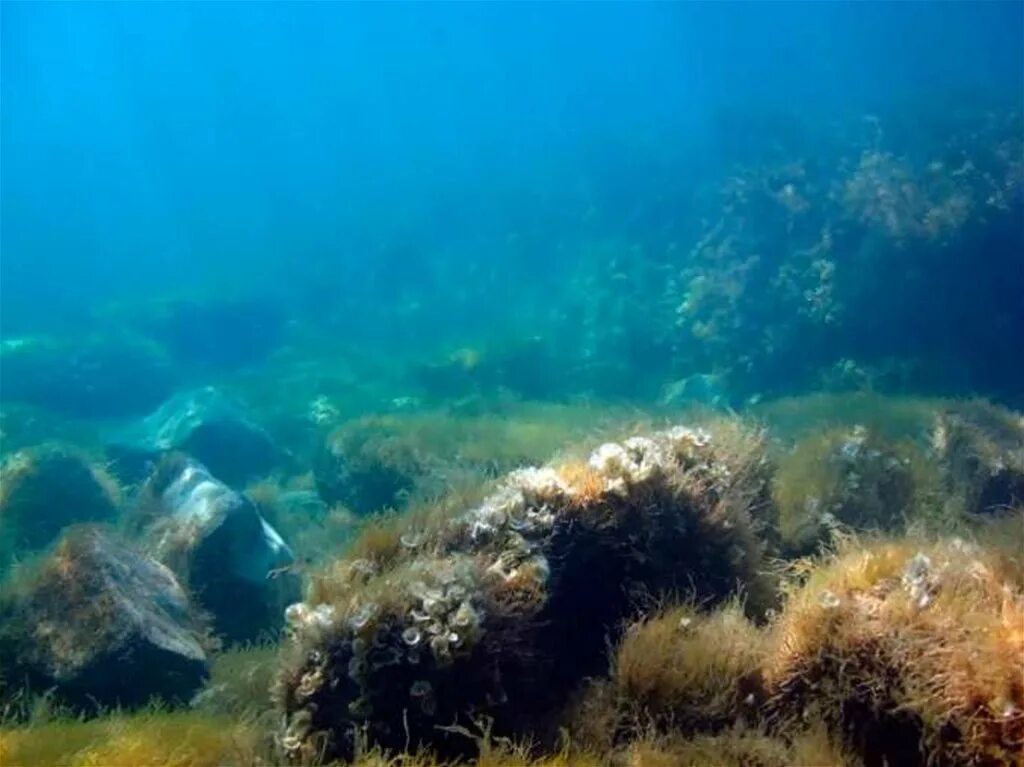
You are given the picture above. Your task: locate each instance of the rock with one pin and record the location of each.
(95, 377)
(45, 488)
(234, 562)
(204, 423)
(501, 610)
(367, 465)
(980, 448)
(103, 625)
(851, 478)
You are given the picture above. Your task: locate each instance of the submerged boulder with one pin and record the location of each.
(980, 448)
(852, 478)
(45, 488)
(501, 610)
(232, 560)
(101, 624)
(368, 465)
(204, 423)
(95, 377)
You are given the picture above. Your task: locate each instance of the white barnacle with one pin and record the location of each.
(829, 600)
(540, 486)
(362, 617)
(411, 540)
(412, 636)
(296, 615)
(917, 579)
(465, 616)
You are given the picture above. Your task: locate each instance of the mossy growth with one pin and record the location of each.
(740, 747)
(240, 682)
(912, 650)
(384, 460)
(151, 738)
(851, 478)
(679, 671)
(45, 488)
(888, 416)
(99, 624)
(980, 447)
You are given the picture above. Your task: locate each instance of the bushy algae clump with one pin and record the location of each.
(980, 447)
(503, 608)
(386, 460)
(680, 671)
(914, 651)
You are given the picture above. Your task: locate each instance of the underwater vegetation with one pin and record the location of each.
(477, 624)
(101, 625)
(853, 478)
(46, 488)
(469, 612)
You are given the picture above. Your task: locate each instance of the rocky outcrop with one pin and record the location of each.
(101, 624)
(204, 423)
(232, 560)
(501, 610)
(96, 377)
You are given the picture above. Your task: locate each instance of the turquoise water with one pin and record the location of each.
(422, 178)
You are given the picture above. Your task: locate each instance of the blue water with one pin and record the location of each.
(427, 176)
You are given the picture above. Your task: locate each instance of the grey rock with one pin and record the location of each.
(204, 423)
(234, 561)
(103, 625)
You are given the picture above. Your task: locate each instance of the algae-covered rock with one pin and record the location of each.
(102, 624)
(367, 465)
(981, 450)
(216, 541)
(95, 377)
(45, 488)
(206, 424)
(850, 477)
(676, 673)
(501, 609)
(912, 651)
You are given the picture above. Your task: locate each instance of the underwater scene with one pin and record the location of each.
(535, 384)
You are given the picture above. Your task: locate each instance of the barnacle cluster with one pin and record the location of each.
(475, 612)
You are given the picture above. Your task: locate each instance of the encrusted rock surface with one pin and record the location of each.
(103, 625)
(502, 609)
